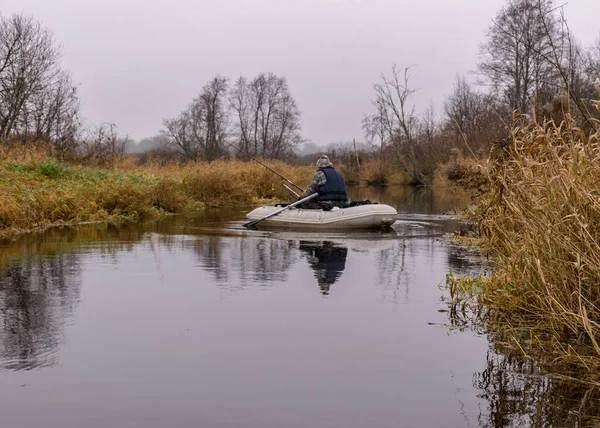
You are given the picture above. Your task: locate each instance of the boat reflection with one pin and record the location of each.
(328, 261)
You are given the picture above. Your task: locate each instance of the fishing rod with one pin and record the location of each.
(291, 191)
(270, 169)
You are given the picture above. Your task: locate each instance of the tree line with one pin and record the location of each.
(258, 116)
(38, 97)
(529, 63)
(39, 102)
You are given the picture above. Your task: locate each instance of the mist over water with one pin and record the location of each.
(194, 321)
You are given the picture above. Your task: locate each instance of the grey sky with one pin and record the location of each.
(138, 62)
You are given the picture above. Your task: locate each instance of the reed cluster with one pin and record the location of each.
(540, 222)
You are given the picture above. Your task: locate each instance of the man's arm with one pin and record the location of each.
(318, 179)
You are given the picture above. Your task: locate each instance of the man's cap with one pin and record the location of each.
(323, 161)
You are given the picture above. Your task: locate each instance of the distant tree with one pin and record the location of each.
(394, 122)
(200, 131)
(578, 89)
(37, 98)
(268, 118)
(593, 63)
(103, 145)
(474, 119)
(150, 143)
(214, 100)
(378, 127)
(515, 58)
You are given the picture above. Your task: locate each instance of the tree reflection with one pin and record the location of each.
(36, 298)
(251, 260)
(517, 391)
(391, 269)
(520, 395)
(327, 260)
(464, 260)
(40, 287)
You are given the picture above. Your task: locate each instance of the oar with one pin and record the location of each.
(274, 213)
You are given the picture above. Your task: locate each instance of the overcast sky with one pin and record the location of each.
(137, 62)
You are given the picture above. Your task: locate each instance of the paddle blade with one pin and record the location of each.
(250, 224)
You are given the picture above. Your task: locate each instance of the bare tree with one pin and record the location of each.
(567, 61)
(37, 97)
(394, 122)
(200, 131)
(474, 119)
(268, 118)
(103, 145)
(376, 126)
(53, 115)
(214, 100)
(578, 83)
(514, 58)
(593, 63)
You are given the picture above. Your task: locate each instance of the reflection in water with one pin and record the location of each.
(464, 260)
(328, 261)
(250, 260)
(36, 298)
(392, 275)
(519, 395)
(40, 281)
(41, 276)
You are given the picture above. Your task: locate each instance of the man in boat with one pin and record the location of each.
(330, 186)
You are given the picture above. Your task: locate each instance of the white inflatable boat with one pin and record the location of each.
(358, 217)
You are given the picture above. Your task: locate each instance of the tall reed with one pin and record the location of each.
(541, 222)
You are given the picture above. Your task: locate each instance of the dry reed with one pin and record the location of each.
(541, 222)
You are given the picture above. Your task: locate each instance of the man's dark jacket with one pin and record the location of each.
(334, 189)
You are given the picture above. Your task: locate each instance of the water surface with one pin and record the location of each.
(193, 321)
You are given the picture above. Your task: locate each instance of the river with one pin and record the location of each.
(193, 321)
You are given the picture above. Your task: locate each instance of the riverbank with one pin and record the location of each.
(538, 222)
(37, 191)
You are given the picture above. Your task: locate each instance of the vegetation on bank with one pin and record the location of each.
(529, 61)
(540, 223)
(37, 191)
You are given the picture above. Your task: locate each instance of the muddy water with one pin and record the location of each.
(193, 321)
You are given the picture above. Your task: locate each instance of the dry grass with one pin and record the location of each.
(229, 182)
(541, 222)
(37, 191)
(374, 172)
(467, 173)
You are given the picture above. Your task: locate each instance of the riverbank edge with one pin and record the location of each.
(36, 194)
(38, 191)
